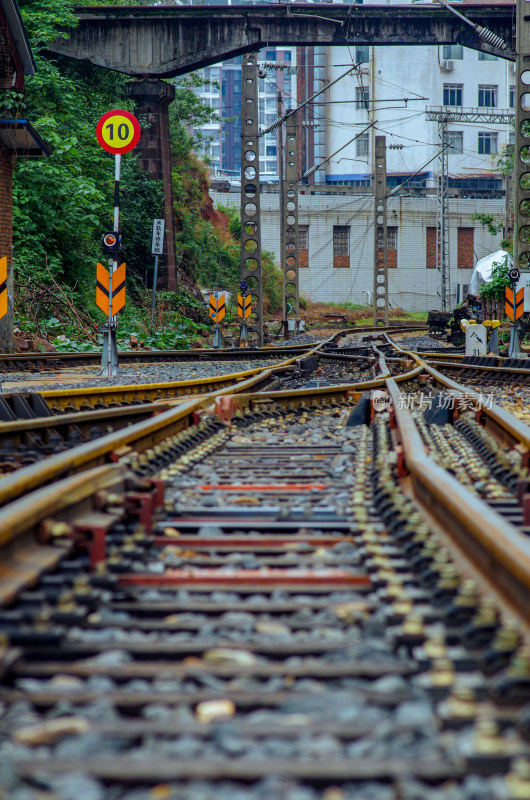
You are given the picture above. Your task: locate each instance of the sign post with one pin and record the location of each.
(244, 310)
(4, 301)
(514, 308)
(217, 314)
(117, 132)
(157, 248)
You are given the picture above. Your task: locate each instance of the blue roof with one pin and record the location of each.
(19, 136)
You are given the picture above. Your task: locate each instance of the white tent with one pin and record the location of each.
(484, 268)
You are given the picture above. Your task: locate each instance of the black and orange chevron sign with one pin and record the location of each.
(3, 287)
(217, 308)
(514, 305)
(103, 289)
(244, 306)
(118, 289)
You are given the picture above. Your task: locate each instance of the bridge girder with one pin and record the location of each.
(165, 42)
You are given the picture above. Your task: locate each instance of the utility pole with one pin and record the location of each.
(290, 226)
(281, 207)
(442, 233)
(250, 270)
(509, 209)
(380, 234)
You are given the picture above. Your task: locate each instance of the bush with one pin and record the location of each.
(499, 280)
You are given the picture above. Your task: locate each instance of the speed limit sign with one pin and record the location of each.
(118, 131)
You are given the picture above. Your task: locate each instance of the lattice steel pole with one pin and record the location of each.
(380, 234)
(250, 201)
(509, 195)
(442, 232)
(521, 216)
(290, 224)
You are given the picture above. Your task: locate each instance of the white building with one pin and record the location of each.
(391, 90)
(388, 92)
(337, 244)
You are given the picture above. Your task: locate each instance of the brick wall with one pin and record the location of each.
(466, 248)
(430, 255)
(6, 238)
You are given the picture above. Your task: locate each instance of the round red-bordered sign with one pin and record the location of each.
(118, 131)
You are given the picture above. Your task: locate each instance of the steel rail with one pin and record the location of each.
(61, 399)
(512, 430)
(502, 551)
(70, 399)
(120, 417)
(20, 516)
(8, 361)
(482, 368)
(142, 435)
(24, 558)
(179, 415)
(507, 427)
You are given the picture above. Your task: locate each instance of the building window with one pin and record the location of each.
(391, 238)
(487, 143)
(391, 246)
(362, 145)
(341, 246)
(303, 245)
(456, 141)
(466, 248)
(453, 94)
(511, 138)
(453, 52)
(430, 255)
(362, 54)
(487, 96)
(362, 97)
(511, 101)
(486, 56)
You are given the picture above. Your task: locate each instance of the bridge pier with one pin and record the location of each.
(152, 97)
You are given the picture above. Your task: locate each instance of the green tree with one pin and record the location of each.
(64, 203)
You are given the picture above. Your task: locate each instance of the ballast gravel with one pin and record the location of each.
(131, 375)
(427, 344)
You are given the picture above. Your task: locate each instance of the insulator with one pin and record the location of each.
(273, 64)
(271, 127)
(491, 38)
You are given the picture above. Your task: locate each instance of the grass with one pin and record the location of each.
(354, 312)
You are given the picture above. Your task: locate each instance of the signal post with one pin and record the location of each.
(117, 132)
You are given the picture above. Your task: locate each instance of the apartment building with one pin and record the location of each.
(391, 91)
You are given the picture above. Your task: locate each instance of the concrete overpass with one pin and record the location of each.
(162, 42)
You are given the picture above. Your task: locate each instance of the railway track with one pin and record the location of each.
(40, 362)
(301, 593)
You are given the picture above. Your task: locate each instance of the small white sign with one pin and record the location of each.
(476, 340)
(157, 247)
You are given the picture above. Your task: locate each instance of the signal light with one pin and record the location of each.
(111, 242)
